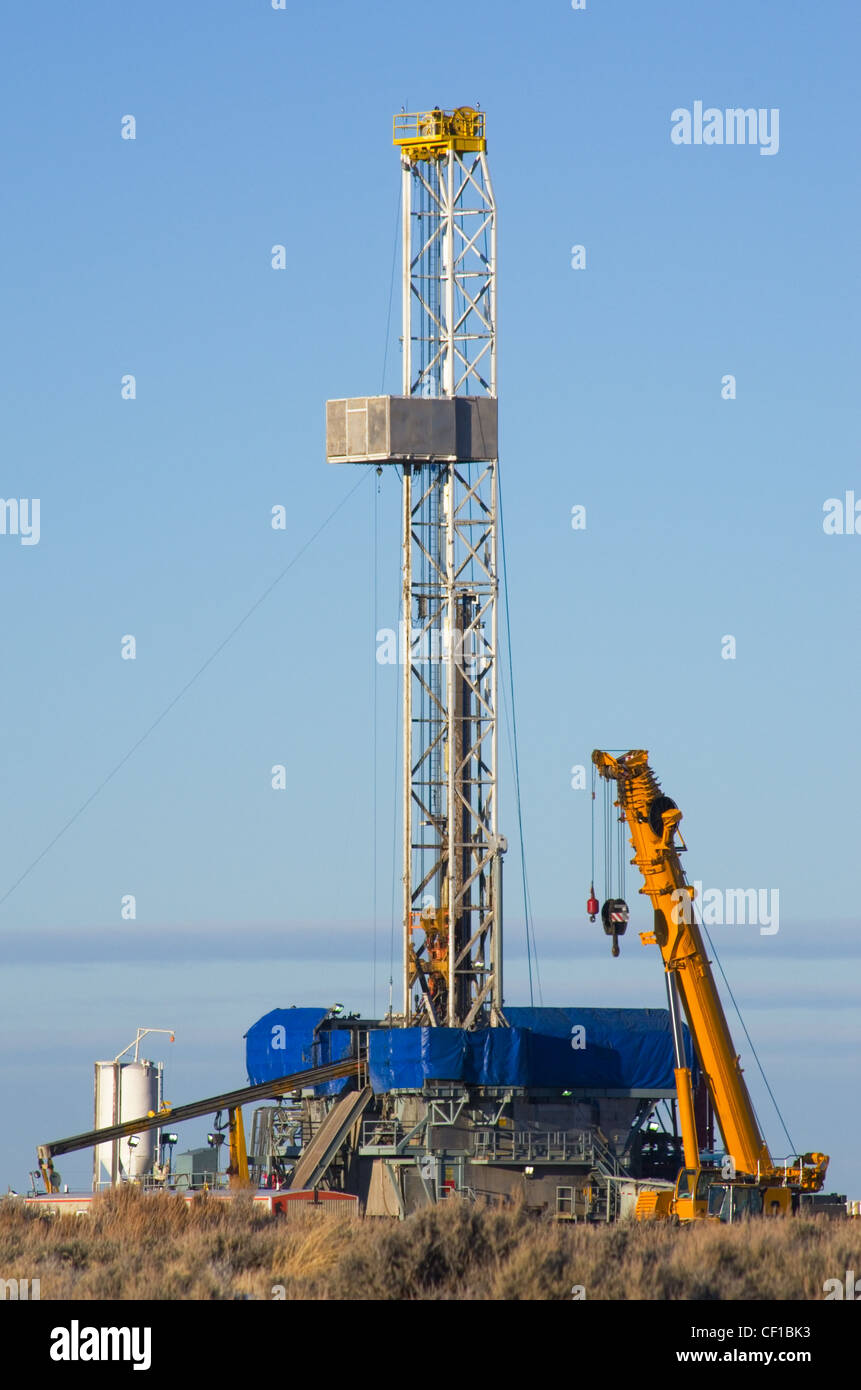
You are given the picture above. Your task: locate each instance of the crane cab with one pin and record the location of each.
(693, 1192)
(729, 1202)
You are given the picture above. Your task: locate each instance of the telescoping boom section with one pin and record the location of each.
(653, 822)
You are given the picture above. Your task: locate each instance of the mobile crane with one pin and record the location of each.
(748, 1182)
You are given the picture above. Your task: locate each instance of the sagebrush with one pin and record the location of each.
(132, 1246)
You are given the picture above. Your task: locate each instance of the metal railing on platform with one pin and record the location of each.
(535, 1146)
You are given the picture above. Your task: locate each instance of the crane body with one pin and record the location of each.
(749, 1180)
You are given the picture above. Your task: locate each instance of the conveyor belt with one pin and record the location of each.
(313, 1076)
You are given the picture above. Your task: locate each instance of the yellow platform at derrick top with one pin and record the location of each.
(429, 134)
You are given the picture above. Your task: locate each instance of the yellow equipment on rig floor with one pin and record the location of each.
(749, 1182)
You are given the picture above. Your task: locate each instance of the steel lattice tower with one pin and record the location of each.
(451, 844)
(441, 433)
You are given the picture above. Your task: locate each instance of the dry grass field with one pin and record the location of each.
(136, 1247)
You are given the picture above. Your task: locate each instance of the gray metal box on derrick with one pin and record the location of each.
(403, 429)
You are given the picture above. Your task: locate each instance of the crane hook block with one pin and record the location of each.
(592, 905)
(614, 917)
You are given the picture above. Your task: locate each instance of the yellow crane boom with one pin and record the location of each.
(653, 821)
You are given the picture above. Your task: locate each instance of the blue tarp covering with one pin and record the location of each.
(631, 1049)
(623, 1050)
(284, 1041)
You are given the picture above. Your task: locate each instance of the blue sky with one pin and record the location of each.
(258, 127)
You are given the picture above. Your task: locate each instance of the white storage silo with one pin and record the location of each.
(125, 1091)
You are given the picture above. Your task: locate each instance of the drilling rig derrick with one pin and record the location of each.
(441, 435)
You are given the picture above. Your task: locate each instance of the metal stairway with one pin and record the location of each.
(606, 1162)
(609, 1172)
(319, 1153)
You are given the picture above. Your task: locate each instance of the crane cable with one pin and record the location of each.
(594, 775)
(717, 960)
(391, 294)
(608, 858)
(531, 947)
